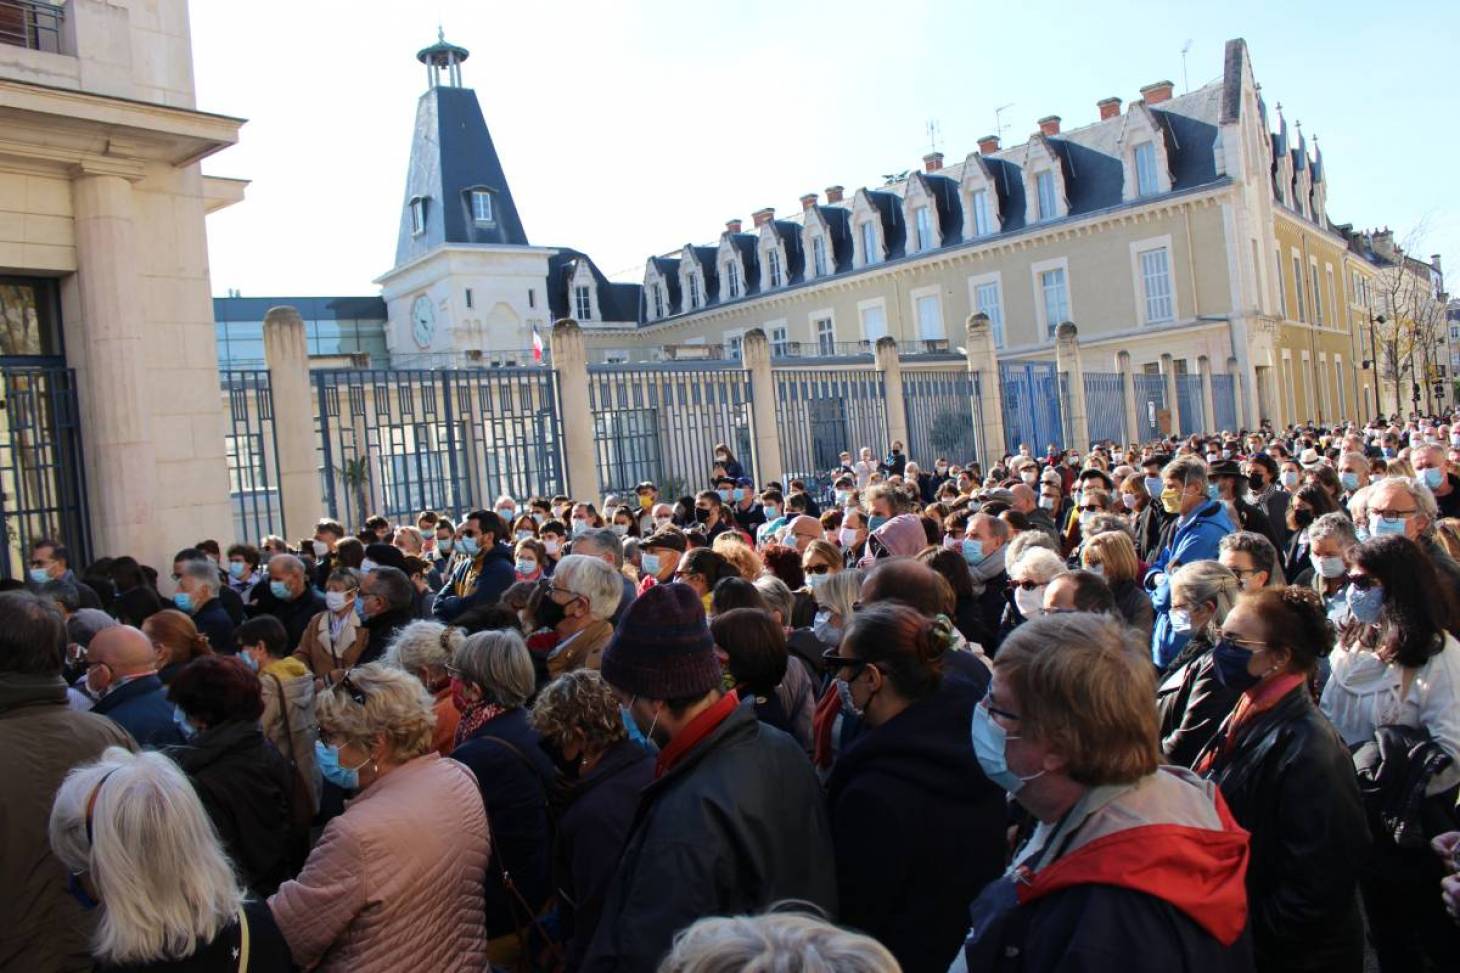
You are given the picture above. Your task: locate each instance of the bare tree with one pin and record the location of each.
(1412, 315)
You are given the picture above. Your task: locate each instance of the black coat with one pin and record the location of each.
(1289, 780)
(969, 620)
(1192, 702)
(514, 774)
(383, 629)
(918, 829)
(293, 615)
(267, 950)
(213, 621)
(1134, 605)
(246, 788)
(737, 824)
(592, 827)
(1255, 519)
(135, 605)
(141, 708)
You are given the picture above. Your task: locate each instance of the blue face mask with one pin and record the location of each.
(737, 495)
(1154, 485)
(1349, 480)
(279, 590)
(469, 546)
(1213, 492)
(525, 566)
(328, 760)
(826, 633)
(973, 551)
(989, 740)
(649, 563)
(1379, 526)
(39, 575)
(1230, 662)
(250, 661)
(181, 719)
(875, 521)
(844, 696)
(772, 512)
(1367, 605)
(724, 496)
(1433, 477)
(183, 601)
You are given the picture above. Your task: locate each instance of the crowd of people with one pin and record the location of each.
(1185, 705)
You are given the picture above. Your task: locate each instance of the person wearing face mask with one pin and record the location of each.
(727, 788)
(243, 569)
(443, 556)
(1111, 555)
(335, 638)
(1191, 700)
(1232, 490)
(659, 555)
(1147, 517)
(984, 546)
(485, 570)
(662, 517)
(1431, 468)
(289, 597)
(726, 462)
(197, 596)
(852, 535)
(1309, 502)
(624, 523)
(646, 498)
(745, 507)
(1262, 479)
(575, 606)
(1329, 538)
(554, 537)
(1029, 575)
(1289, 780)
(244, 784)
(287, 689)
(327, 534)
(371, 882)
(531, 556)
(1127, 858)
(1200, 524)
(121, 672)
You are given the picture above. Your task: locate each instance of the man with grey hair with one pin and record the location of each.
(582, 595)
(1201, 523)
(197, 595)
(1431, 469)
(1026, 502)
(1329, 538)
(1398, 505)
(387, 600)
(288, 596)
(605, 545)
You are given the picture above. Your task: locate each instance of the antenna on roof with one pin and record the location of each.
(935, 134)
(999, 119)
(1185, 81)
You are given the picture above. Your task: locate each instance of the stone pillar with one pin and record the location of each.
(1068, 363)
(286, 351)
(580, 459)
(108, 349)
(983, 361)
(1208, 401)
(1173, 403)
(891, 368)
(1128, 394)
(765, 439)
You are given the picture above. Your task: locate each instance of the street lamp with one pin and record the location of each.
(1374, 361)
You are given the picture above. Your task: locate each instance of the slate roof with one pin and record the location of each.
(616, 302)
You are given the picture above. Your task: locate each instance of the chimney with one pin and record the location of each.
(1154, 94)
(763, 216)
(1384, 243)
(732, 226)
(1109, 107)
(1435, 263)
(833, 194)
(932, 162)
(988, 145)
(1050, 124)
(808, 201)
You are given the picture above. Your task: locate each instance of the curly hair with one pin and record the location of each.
(785, 563)
(395, 705)
(579, 706)
(732, 547)
(1293, 618)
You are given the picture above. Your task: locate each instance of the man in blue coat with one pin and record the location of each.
(484, 568)
(121, 668)
(1201, 524)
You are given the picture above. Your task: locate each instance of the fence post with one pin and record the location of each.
(890, 365)
(1128, 393)
(1067, 362)
(1173, 401)
(765, 439)
(983, 361)
(580, 459)
(287, 354)
(1208, 400)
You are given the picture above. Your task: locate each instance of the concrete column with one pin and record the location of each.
(765, 439)
(286, 351)
(108, 346)
(1208, 400)
(1128, 394)
(1173, 402)
(891, 368)
(580, 459)
(983, 360)
(1067, 362)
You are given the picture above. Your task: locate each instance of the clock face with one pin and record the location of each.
(423, 321)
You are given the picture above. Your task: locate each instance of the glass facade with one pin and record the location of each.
(332, 326)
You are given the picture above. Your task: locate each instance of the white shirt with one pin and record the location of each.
(1363, 694)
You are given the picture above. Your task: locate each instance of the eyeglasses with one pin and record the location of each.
(834, 661)
(1245, 643)
(1394, 514)
(816, 569)
(1002, 714)
(1026, 584)
(349, 686)
(1363, 582)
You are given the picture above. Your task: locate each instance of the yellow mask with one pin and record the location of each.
(705, 600)
(645, 502)
(1171, 500)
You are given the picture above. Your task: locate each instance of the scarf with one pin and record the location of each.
(473, 718)
(986, 570)
(1258, 699)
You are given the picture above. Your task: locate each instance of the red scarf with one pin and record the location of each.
(473, 718)
(695, 731)
(1257, 700)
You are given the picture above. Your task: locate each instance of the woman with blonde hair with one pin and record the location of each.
(1112, 555)
(1191, 698)
(141, 850)
(732, 547)
(787, 942)
(381, 891)
(177, 641)
(425, 649)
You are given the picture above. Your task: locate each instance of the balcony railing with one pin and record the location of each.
(33, 24)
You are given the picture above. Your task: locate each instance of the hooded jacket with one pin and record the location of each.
(288, 718)
(901, 536)
(475, 581)
(917, 828)
(1194, 539)
(1141, 878)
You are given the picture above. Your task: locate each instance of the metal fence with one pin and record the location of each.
(940, 416)
(820, 413)
(42, 486)
(1105, 406)
(1032, 394)
(1188, 395)
(663, 422)
(399, 441)
(1150, 394)
(252, 453)
(1224, 403)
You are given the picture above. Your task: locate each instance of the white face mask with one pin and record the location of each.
(1030, 602)
(848, 536)
(1047, 503)
(662, 522)
(336, 600)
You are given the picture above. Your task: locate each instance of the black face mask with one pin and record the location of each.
(548, 612)
(702, 515)
(1256, 482)
(1302, 518)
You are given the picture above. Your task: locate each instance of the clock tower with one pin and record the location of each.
(467, 286)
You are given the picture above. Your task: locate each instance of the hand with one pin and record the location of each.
(1447, 846)
(1450, 891)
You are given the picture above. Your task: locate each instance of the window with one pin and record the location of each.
(1282, 291)
(468, 297)
(869, 242)
(773, 265)
(732, 279)
(1340, 398)
(1317, 295)
(481, 206)
(930, 318)
(986, 300)
(1056, 298)
(582, 303)
(982, 221)
(732, 346)
(818, 254)
(1146, 182)
(418, 216)
(1156, 284)
(924, 228)
(874, 323)
(1299, 285)
(693, 279)
(826, 336)
(1044, 184)
(780, 347)
(531, 297)
(1332, 295)
(658, 300)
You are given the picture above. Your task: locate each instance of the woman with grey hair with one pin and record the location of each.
(1029, 576)
(424, 649)
(492, 679)
(786, 942)
(1329, 539)
(1192, 700)
(141, 851)
(576, 604)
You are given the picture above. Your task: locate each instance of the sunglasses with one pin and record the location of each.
(816, 569)
(1363, 582)
(1026, 584)
(833, 661)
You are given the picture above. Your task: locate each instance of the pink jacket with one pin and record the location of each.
(395, 882)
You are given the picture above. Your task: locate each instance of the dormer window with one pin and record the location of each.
(1147, 183)
(983, 223)
(818, 254)
(583, 302)
(732, 280)
(773, 265)
(658, 300)
(924, 226)
(869, 243)
(1044, 187)
(418, 215)
(481, 206)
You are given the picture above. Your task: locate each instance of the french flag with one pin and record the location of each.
(536, 346)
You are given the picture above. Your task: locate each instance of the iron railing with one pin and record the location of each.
(1150, 394)
(1224, 403)
(1033, 396)
(42, 482)
(33, 24)
(1105, 406)
(940, 416)
(1189, 400)
(822, 412)
(252, 452)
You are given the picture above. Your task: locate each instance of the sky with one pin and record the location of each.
(632, 128)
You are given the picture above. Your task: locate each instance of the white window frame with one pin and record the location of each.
(779, 338)
(820, 258)
(1042, 178)
(1140, 127)
(915, 298)
(979, 176)
(1138, 279)
(1316, 282)
(660, 303)
(982, 216)
(1299, 285)
(1333, 301)
(1148, 182)
(732, 279)
(583, 277)
(880, 305)
(817, 318)
(775, 270)
(582, 302)
(735, 344)
(479, 196)
(418, 215)
(996, 322)
(923, 227)
(864, 229)
(1044, 328)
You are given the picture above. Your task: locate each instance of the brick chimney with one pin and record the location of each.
(763, 216)
(1109, 107)
(834, 194)
(1154, 94)
(932, 162)
(1050, 124)
(732, 226)
(988, 145)
(808, 201)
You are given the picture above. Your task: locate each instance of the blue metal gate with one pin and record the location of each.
(1224, 403)
(42, 482)
(820, 413)
(1150, 392)
(940, 416)
(1105, 406)
(399, 441)
(1193, 415)
(1032, 394)
(252, 452)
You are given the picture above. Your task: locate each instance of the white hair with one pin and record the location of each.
(203, 572)
(1038, 564)
(592, 578)
(423, 645)
(1027, 540)
(781, 942)
(165, 885)
(839, 592)
(777, 595)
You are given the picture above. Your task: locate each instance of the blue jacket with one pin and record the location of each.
(495, 576)
(141, 708)
(1195, 539)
